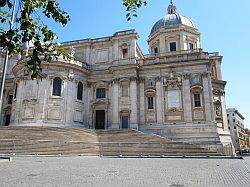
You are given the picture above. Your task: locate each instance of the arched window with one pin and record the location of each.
(79, 91)
(57, 86)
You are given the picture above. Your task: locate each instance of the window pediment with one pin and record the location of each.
(150, 92)
(196, 88)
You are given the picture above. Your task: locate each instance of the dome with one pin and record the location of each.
(172, 19)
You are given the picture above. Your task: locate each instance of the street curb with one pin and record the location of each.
(7, 157)
(180, 157)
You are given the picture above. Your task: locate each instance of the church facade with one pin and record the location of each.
(176, 91)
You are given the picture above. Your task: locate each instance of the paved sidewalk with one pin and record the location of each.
(93, 171)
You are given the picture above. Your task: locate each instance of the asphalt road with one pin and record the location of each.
(94, 171)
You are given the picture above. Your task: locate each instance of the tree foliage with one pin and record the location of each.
(29, 29)
(132, 6)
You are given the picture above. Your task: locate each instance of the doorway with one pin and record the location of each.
(100, 119)
(7, 120)
(125, 124)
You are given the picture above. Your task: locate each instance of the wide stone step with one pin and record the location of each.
(49, 141)
(134, 153)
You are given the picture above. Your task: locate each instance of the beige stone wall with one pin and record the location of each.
(170, 80)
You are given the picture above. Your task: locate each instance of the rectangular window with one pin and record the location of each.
(172, 46)
(191, 46)
(100, 93)
(125, 53)
(124, 90)
(150, 83)
(156, 50)
(10, 98)
(150, 103)
(197, 100)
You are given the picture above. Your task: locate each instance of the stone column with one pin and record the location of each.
(134, 103)
(187, 98)
(207, 98)
(115, 106)
(159, 107)
(88, 109)
(142, 100)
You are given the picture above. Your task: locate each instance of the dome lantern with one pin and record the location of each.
(171, 8)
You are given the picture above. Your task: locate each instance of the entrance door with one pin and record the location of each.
(100, 119)
(125, 122)
(7, 120)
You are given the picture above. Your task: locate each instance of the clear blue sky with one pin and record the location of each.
(224, 25)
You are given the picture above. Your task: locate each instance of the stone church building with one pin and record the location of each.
(176, 91)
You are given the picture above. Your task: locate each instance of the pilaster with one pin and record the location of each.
(207, 98)
(187, 98)
(115, 106)
(142, 107)
(133, 101)
(159, 107)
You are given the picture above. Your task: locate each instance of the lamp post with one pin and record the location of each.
(6, 63)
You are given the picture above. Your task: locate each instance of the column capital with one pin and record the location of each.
(115, 80)
(158, 79)
(186, 76)
(133, 78)
(206, 74)
(141, 79)
(218, 92)
(89, 84)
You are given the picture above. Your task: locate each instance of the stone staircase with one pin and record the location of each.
(48, 141)
(202, 135)
(68, 141)
(134, 143)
